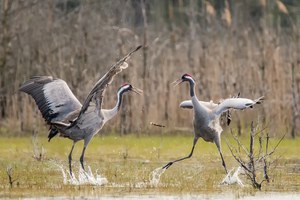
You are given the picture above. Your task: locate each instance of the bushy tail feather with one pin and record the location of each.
(52, 132)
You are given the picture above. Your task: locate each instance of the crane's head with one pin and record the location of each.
(126, 87)
(184, 77)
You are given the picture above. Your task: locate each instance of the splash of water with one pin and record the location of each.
(154, 177)
(84, 177)
(233, 177)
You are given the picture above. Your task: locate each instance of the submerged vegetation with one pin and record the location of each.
(127, 163)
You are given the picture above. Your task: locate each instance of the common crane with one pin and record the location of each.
(207, 116)
(66, 115)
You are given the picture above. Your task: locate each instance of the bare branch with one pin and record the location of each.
(260, 145)
(276, 146)
(239, 160)
(9, 172)
(238, 142)
(253, 165)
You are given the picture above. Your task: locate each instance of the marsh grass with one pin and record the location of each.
(200, 174)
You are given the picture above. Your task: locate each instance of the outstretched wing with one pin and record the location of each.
(95, 97)
(237, 103)
(188, 104)
(53, 97)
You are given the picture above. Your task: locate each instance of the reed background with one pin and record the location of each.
(229, 46)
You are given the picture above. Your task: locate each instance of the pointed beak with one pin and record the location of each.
(136, 90)
(177, 82)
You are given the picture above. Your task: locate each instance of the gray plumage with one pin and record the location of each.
(65, 114)
(207, 117)
(53, 97)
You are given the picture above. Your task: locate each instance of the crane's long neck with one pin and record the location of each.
(119, 102)
(192, 87)
(199, 109)
(113, 112)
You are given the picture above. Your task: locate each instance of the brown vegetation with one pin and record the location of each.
(229, 46)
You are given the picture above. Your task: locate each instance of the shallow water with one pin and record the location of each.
(155, 175)
(90, 178)
(229, 196)
(139, 178)
(82, 178)
(260, 196)
(233, 177)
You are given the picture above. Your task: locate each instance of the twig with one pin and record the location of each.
(251, 158)
(38, 151)
(269, 154)
(275, 146)
(265, 161)
(9, 172)
(238, 142)
(239, 160)
(159, 125)
(262, 130)
(260, 151)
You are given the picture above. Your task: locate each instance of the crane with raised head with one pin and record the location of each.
(66, 115)
(207, 116)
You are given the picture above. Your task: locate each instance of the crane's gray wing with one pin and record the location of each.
(211, 106)
(189, 105)
(237, 103)
(53, 97)
(95, 97)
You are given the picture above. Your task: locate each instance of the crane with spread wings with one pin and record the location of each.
(66, 115)
(207, 116)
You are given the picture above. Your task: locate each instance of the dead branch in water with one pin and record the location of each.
(9, 172)
(253, 163)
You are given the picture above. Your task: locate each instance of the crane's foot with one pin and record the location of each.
(168, 165)
(82, 166)
(225, 168)
(226, 172)
(70, 170)
(70, 166)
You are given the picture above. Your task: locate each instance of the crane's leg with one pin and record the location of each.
(190, 155)
(217, 142)
(223, 162)
(70, 159)
(86, 142)
(81, 157)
